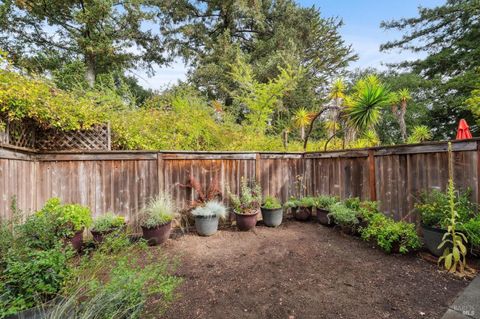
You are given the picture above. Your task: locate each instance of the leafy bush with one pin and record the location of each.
(107, 222)
(301, 202)
(324, 201)
(343, 215)
(211, 208)
(389, 234)
(30, 97)
(249, 200)
(271, 202)
(68, 218)
(159, 211)
(471, 229)
(434, 208)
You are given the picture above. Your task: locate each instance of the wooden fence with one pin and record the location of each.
(123, 181)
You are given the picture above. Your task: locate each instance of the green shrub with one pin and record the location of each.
(471, 229)
(324, 201)
(249, 200)
(107, 222)
(434, 208)
(389, 234)
(343, 215)
(159, 211)
(271, 202)
(301, 202)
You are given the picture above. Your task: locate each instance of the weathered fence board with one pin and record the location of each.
(124, 181)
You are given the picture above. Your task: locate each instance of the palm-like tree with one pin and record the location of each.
(420, 134)
(370, 97)
(302, 118)
(337, 94)
(402, 97)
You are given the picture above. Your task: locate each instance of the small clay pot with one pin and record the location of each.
(157, 235)
(302, 213)
(322, 217)
(246, 222)
(272, 217)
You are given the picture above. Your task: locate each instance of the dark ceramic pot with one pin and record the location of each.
(302, 213)
(76, 240)
(206, 225)
(322, 217)
(433, 238)
(157, 235)
(272, 217)
(99, 236)
(246, 222)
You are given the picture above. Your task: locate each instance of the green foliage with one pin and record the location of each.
(211, 208)
(23, 97)
(159, 211)
(69, 218)
(389, 234)
(249, 200)
(108, 221)
(343, 215)
(448, 34)
(471, 229)
(434, 208)
(271, 202)
(420, 134)
(325, 201)
(135, 275)
(301, 202)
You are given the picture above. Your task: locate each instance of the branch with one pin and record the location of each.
(310, 128)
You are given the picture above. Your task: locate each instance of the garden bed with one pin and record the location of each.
(303, 270)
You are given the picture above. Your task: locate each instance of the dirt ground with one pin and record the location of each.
(303, 270)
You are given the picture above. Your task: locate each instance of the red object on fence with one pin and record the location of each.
(463, 132)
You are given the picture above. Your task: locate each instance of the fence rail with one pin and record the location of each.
(122, 181)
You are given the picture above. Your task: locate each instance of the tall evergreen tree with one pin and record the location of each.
(450, 35)
(104, 35)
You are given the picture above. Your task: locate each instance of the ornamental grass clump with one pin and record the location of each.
(213, 208)
(249, 200)
(159, 211)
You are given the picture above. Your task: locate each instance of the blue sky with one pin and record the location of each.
(361, 29)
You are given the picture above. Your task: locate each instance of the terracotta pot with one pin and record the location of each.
(246, 222)
(322, 217)
(302, 213)
(76, 240)
(157, 235)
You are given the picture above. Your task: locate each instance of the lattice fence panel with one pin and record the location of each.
(18, 133)
(96, 138)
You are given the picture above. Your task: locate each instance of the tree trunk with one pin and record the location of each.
(401, 120)
(90, 73)
(302, 133)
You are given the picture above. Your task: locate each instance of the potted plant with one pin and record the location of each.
(322, 207)
(156, 219)
(272, 211)
(207, 216)
(301, 208)
(433, 209)
(246, 206)
(344, 216)
(105, 225)
(71, 220)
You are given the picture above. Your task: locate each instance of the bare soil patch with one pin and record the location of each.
(303, 270)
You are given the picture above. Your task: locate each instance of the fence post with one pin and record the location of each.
(478, 172)
(258, 172)
(371, 175)
(160, 173)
